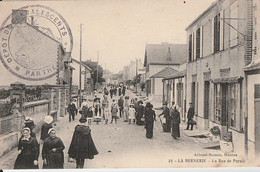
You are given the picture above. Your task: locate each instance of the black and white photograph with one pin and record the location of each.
(126, 84)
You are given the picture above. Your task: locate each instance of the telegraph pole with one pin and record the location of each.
(97, 70)
(80, 59)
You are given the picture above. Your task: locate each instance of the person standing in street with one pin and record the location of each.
(123, 90)
(52, 151)
(131, 113)
(150, 117)
(119, 91)
(28, 151)
(84, 107)
(28, 122)
(121, 106)
(106, 113)
(190, 117)
(126, 109)
(45, 127)
(176, 120)
(167, 117)
(72, 110)
(140, 112)
(82, 145)
(111, 92)
(114, 110)
(90, 115)
(104, 104)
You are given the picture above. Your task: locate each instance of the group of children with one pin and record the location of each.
(103, 110)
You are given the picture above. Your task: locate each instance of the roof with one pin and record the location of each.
(179, 74)
(255, 64)
(86, 66)
(165, 53)
(164, 73)
(227, 79)
(203, 13)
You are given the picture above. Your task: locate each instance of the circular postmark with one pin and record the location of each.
(33, 39)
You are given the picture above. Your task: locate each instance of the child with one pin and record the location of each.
(106, 113)
(131, 113)
(114, 110)
(89, 115)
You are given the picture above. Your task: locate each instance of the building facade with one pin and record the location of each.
(217, 47)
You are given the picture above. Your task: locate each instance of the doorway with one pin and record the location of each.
(257, 120)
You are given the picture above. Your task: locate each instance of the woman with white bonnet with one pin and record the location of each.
(52, 151)
(28, 151)
(46, 126)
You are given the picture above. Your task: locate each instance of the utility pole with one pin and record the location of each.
(80, 59)
(97, 70)
(136, 73)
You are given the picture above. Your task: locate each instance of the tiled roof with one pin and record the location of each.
(164, 73)
(176, 75)
(159, 53)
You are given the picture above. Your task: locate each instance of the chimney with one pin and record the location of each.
(169, 54)
(19, 16)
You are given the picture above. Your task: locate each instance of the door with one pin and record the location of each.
(224, 110)
(193, 91)
(257, 120)
(206, 99)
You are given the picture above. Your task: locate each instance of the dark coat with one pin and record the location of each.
(190, 113)
(72, 109)
(44, 130)
(167, 116)
(82, 145)
(176, 120)
(54, 159)
(149, 119)
(30, 152)
(121, 103)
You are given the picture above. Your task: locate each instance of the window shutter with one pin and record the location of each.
(221, 30)
(192, 51)
(212, 35)
(201, 41)
(194, 43)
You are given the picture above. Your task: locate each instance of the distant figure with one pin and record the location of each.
(84, 107)
(52, 151)
(114, 110)
(111, 92)
(82, 146)
(131, 113)
(72, 110)
(104, 104)
(89, 115)
(126, 109)
(123, 90)
(140, 112)
(106, 113)
(121, 106)
(176, 120)
(149, 120)
(45, 127)
(167, 117)
(28, 151)
(190, 117)
(119, 91)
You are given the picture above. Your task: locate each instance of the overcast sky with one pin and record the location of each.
(119, 29)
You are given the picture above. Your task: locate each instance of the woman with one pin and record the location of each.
(175, 116)
(140, 112)
(89, 115)
(28, 151)
(82, 146)
(52, 151)
(45, 127)
(149, 120)
(28, 122)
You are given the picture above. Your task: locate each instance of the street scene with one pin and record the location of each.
(129, 84)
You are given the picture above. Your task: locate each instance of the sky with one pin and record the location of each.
(120, 29)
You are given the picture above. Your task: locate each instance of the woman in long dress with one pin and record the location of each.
(52, 151)
(175, 116)
(45, 127)
(28, 151)
(82, 146)
(149, 120)
(131, 113)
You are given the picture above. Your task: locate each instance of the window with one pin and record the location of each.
(233, 104)
(198, 43)
(233, 22)
(190, 48)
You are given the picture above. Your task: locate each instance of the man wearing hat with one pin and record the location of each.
(190, 117)
(72, 110)
(167, 117)
(121, 106)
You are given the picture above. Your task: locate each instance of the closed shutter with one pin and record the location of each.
(212, 35)
(221, 30)
(201, 41)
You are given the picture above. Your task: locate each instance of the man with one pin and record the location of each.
(190, 117)
(123, 90)
(166, 113)
(104, 104)
(121, 106)
(176, 120)
(71, 110)
(111, 92)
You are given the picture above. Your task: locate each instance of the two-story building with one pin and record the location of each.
(217, 45)
(160, 61)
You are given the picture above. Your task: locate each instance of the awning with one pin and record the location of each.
(227, 79)
(180, 74)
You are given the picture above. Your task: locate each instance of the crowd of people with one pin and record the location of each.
(97, 109)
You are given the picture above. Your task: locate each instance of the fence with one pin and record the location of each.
(6, 124)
